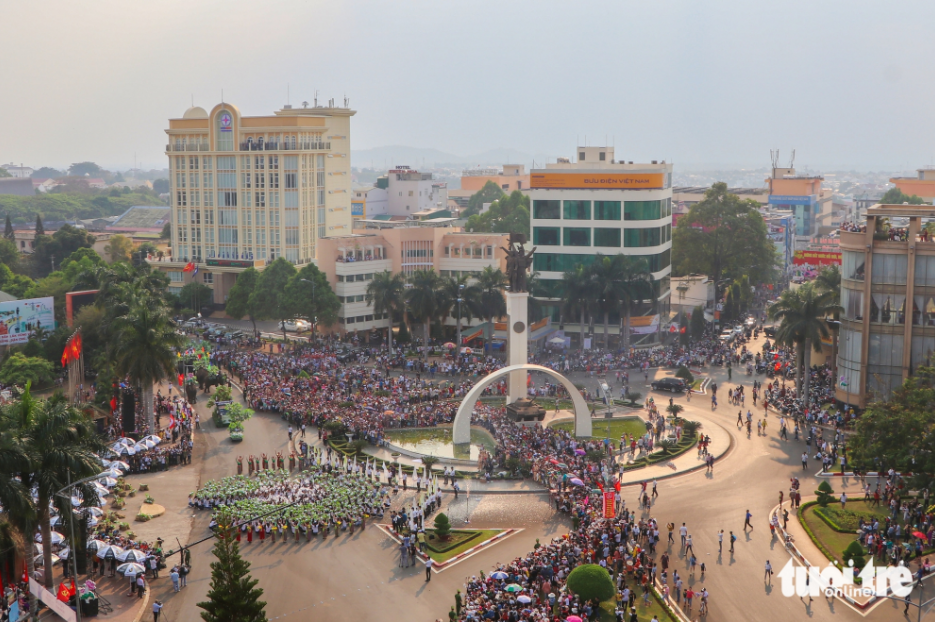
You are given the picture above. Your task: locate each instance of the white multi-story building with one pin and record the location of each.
(409, 191)
(598, 205)
(247, 190)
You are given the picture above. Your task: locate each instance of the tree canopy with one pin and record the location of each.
(895, 196)
(20, 369)
(507, 214)
(488, 194)
(120, 248)
(308, 294)
(85, 168)
(233, 595)
(591, 582)
(268, 297)
(724, 236)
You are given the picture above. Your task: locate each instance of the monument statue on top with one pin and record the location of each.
(517, 262)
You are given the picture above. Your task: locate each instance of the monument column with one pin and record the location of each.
(518, 339)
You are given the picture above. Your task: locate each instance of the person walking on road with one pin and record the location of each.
(157, 609)
(683, 532)
(733, 539)
(688, 545)
(804, 460)
(428, 569)
(768, 577)
(746, 522)
(720, 541)
(655, 493)
(671, 527)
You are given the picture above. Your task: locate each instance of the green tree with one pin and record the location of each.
(637, 286)
(308, 294)
(697, 323)
(442, 526)
(239, 298)
(488, 194)
(196, 294)
(825, 494)
(19, 369)
(607, 279)
(4, 173)
(143, 347)
(491, 283)
(81, 169)
(895, 196)
(387, 293)
(828, 282)
(685, 374)
(576, 290)
(591, 582)
(9, 254)
(166, 231)
(17, 285)
(422, 299)
(40, 229)
(723, 235)
(506, 215)
(161, 186)
(120, 248)
(268, 297)
(801, 315)
(8, 230)
(233, 596)
(46, 172)
(82, 260)
(53, 249)
(450, 290)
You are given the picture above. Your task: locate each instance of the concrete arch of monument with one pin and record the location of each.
(462, 423)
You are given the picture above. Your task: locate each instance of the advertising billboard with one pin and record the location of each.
(652, 181)
(816, 258)
(20, 318)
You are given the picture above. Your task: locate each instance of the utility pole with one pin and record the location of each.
(460, 300)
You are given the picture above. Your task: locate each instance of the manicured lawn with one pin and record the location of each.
(833, 541)
(474, 537)
(610, 428)
(642, 613)
(849, 518)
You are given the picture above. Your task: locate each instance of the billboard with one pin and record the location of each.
(793, 199)
(816, 258)
(19, 318)
(357, 209)
(627, 181)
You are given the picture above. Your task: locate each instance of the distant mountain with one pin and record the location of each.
(400, 155)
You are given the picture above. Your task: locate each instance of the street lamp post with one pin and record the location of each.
(458, 341)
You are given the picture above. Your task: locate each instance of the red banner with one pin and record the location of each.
(816, 258)
(610, 506)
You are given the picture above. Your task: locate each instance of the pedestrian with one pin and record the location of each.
(688, 545)
(702, 570)
(140, 585)
(154, 567)
(655, 493)
(733, 539)
(804, 460)
(174, 575)
(747, 521)
(683, 532)
(428, 569)
(157, 609)
(183, 575)
(768, 577)
(720, 541)
(671, 527)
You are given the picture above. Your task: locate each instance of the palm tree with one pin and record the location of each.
(144, 338)
(422, 299)
(491, 282)
(450, 290)
(58, 442)
(576, 287)
(828, 282)
(386, 292)
(802, 314)
(609, 287)
(637, 286)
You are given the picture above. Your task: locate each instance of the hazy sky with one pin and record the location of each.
(846, 83)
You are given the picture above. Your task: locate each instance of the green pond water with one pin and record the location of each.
(437, 442)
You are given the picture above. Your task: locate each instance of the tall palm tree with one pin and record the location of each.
(576, 288)
(828, 282)
(386, 293)
(609, 287)
(801, 314)
(491, 282)
(637, 286)
(450, 290)
(144, 338)
(422, 299)
(59, 442)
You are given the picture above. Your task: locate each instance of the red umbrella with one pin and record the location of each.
(919, 534)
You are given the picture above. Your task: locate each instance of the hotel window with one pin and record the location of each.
(227, 163)
(889, 269)
(246, 179)
(227, 198)
(260, 218)
(193, 180)
(577, 210)
(547, 210)
(259, 180)
(607, 237)
(852, 301)
(291, 180)
(181, 198)
(181, 181)
(182, 217)
(227, 217)
(852, 266)
(642, 237)
(321, 231)
(607, 210)
(209, 278)
(260, 199)
(260, 162)
(206, 163)
(576, 236)
(196, 216)
(209, 217)
(195, 198)
(546, 236)
(175, 277)
(193, 163)
(273, 198)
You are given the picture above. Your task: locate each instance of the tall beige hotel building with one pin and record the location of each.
(248, 190)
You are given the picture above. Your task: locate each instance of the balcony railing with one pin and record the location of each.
(284, 146)
(352, 258)
(188, 147)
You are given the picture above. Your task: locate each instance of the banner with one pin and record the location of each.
(20, 318)
(816, 258)
(610, 506)
(644, 324)
(64, 611)
(597, 180)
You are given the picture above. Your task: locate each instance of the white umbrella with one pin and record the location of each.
(118, 448)
(96, 545)
(39, 560)
(148, 443)
(132, 555)
(154, 438)
(557, 341)
(55, 520)
(92, 522)
(56, 537)
(109, 551)
(131, 569)
(112, 472)
(110, 482)
(95, 512)
(65, 552)
(119, 464)
(523, 599)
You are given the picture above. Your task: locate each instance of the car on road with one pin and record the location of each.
(770, 331)
(675, 385)
(295, 326)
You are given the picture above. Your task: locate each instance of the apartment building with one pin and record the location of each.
(247, 190)
(922, 185)
(888, 302)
